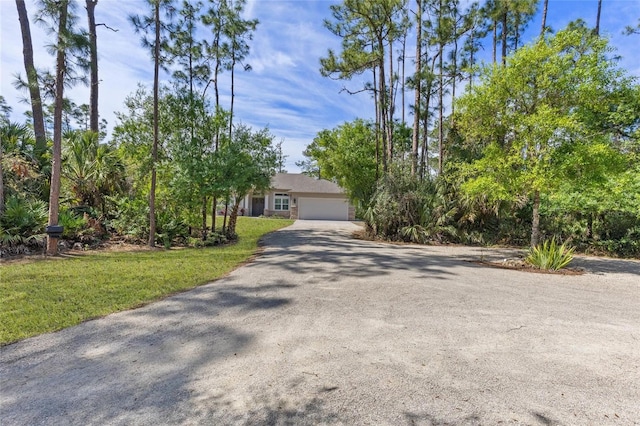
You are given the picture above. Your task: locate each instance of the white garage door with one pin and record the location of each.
(323, 209)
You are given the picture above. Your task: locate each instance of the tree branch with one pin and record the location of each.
(108, 27)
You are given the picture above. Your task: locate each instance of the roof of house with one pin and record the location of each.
(295, 182)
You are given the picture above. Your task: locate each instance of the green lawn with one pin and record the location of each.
(47, 295)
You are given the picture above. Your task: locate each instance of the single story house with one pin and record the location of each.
(298, 196)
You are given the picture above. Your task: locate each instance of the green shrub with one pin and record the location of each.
(550, 256)
(414, 234)
(129, 217)
(73, 223)
(627, 246)
(170, 227)
(213, 239)
(23, 217)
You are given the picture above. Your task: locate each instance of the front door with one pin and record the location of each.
(257, 206)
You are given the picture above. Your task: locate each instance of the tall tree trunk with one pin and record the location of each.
(454, 76)
(383, 109)
(471, 61)
(156, 119)
(224, 218)
(441, 112)
(517, 32)
(424, 160)
(441, 42)
(495, 41)
(377, 123)
(390, 107)
(597, 29)
(545, 8)
(214, 206)
(54, 192)
(216, 72)
(233, 68)
(32, 80)
(402, 85)
(204, 218)
(93, 49)
(418, 81)
(1, 184)
(233, 219)
(504, 37)
(535, 225)
(424, 152)
(590, 225)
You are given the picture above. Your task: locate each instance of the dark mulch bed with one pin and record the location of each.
(519, 264)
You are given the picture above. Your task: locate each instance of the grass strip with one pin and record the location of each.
(48, 295)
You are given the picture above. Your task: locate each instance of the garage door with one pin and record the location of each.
(323, 209)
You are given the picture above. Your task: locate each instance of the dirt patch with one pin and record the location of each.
(64, 252)
(521, 265)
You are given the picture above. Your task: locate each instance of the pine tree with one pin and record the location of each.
(158, 46)
(32, 81)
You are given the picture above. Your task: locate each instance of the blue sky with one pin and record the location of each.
(285, 90)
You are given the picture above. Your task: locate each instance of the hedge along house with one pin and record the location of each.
(298, 196)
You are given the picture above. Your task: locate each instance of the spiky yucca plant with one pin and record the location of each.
(550, 256)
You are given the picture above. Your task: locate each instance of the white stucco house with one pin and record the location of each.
(298, 196)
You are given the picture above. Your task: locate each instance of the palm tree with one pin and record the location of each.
(91, 169)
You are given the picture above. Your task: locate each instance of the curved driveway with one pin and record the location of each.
(325, 329)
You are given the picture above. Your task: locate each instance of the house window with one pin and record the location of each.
(281, 202)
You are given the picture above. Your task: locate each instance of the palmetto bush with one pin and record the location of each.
(22, 223)
(72, 222)
(24, 217)
(415, 234)
(550, 256)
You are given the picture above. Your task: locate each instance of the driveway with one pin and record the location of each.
(324, 329)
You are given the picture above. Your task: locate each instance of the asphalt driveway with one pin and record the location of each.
(325, 329)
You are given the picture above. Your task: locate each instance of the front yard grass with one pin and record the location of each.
(47, 295)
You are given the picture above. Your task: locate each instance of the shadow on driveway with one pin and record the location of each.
(324, 329)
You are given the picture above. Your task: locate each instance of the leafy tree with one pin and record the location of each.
(346, 155)
(133, 137)
(541, 116)
(190, 128)
(247, 162)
